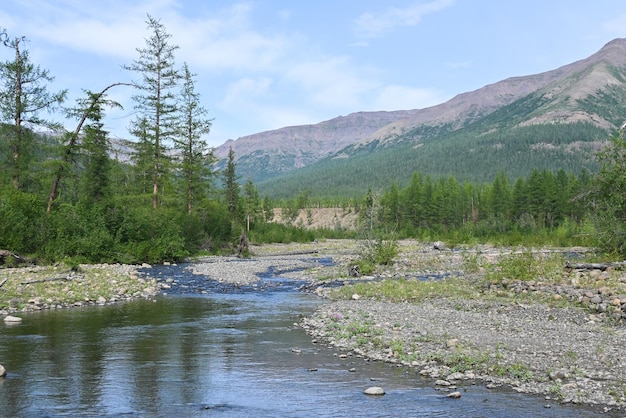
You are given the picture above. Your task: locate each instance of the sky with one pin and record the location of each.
(265, 64)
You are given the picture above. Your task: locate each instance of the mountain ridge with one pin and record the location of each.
(590, 90)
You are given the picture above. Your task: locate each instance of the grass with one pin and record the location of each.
(408, 290)
(86, 285)
(526, 265)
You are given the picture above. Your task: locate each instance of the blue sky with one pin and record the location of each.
(266, 64)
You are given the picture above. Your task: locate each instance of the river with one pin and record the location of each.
(207, 350)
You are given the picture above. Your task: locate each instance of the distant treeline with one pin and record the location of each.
(542, 200)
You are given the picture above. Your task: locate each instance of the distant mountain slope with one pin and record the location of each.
(267, 154)
(552, 120)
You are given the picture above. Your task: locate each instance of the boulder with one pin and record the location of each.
(3, 371)
(375, 391)
(12, 319)
(354, 271)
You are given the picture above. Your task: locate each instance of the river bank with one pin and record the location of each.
(560, 336)
(36, 288)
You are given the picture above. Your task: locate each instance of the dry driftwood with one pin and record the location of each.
(51, 279)
(595, 266)
(303, 252)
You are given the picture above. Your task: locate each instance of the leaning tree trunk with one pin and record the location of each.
(70, 145)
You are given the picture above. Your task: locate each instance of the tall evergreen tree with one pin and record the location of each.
(253, 204)
(231, 185)
(23, 96)
(156, 123)
(609, 196)
(196, 157)
(95, 182)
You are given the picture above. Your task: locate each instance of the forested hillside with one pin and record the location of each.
(463, 155)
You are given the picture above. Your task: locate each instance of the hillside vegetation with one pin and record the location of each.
(463, 154)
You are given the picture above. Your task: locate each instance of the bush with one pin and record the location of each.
(374, 253)
(21, 214)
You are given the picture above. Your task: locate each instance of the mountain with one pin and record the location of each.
(556, 119)
(267, 154)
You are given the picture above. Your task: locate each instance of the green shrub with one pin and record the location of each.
(374, 253)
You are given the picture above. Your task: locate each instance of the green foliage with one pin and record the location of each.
(231, 186)
(374, 253)
(609, 196)
(22, 216)
(526, 266)
(196, 159)
(404, 290)
(274, 232)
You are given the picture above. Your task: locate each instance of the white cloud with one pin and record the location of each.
(113, 29)
(243, 90)
(374, 25)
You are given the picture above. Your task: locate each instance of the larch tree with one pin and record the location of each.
(156, 124)
(195, 156)
(231, 185)
(90, 108)
(95, 150)
(253, 204)
(23, 97)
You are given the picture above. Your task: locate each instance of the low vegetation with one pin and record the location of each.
(60, 286)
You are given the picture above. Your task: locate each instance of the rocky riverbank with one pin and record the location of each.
(561, 337)
(36, 288)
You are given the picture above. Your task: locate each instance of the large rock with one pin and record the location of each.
(3, 371)
(438, 245)
(374, 390)
(12, 319)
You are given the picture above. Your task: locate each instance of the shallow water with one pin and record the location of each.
(231, 352)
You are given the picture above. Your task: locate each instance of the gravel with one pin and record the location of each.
(557, 352)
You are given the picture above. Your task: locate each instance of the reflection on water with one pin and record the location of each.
(219, 354)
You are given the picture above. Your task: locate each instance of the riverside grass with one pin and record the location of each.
(477, 274)
(31, 288)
